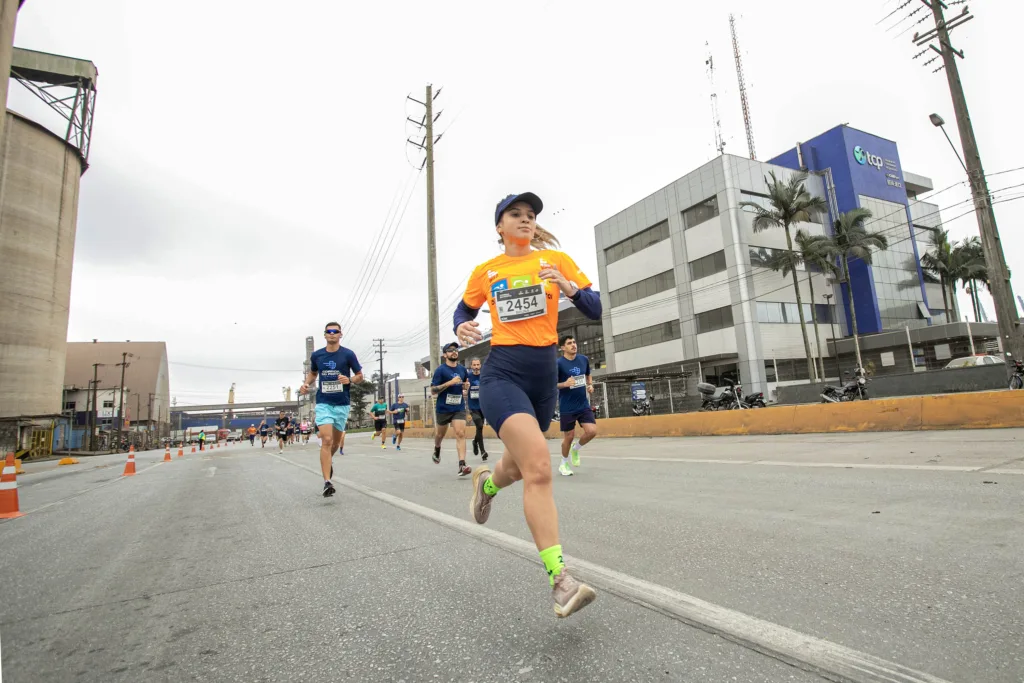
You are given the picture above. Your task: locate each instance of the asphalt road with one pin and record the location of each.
(229, 565)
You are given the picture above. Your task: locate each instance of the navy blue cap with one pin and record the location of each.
(530, 198)
(450, 345)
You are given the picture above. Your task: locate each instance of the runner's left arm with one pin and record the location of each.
(585, 299)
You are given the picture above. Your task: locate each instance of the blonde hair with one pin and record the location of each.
(542, 239)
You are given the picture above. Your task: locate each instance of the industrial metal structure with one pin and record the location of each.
(39, 183)
(747, 123)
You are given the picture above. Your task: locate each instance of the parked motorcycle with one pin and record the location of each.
(752, 400)
(720, 398)
(1017, 380)
(855, 389)
(642, 407)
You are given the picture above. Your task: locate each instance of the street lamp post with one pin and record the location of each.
(832, 324)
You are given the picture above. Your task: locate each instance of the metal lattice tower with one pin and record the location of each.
(715, 119)
(743, 87)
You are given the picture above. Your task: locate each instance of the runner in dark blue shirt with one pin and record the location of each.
(574, 388)
(474, 409)
(399, 412)
(449, 384)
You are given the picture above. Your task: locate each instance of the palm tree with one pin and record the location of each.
(937, 262)
(818, 253)
(790, 203)
(851, 240)
(969, 262)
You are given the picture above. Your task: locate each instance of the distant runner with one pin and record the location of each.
(379, 410)
(334, 368)
(251, 432)
(574, 388)
(264, 432)
(449, 382)
(281, 427)
(399, 410)
(474, 409)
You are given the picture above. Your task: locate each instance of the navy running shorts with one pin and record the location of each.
(519, 379)
(583, 417)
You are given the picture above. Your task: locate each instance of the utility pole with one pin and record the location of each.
(120, 408)
(999, 275)
(427, 144)
(380, 357)
(149, 417)
(92, 415)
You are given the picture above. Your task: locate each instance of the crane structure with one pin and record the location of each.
(744, 103)
(715, 119)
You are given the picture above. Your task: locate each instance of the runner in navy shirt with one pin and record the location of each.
(334, 368)
(574, 388)
(449, 383)
(400, 413)
(473, 398)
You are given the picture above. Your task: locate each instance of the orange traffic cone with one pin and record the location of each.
(167, 454)
(129, 467)
(181, 452)
(193, 449)
(9, 490)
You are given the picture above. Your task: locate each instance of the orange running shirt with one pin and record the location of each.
(524, 309)
(251, 430)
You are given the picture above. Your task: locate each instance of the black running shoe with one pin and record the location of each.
(328, 489)
(464, 470)
(484, 456)
(437, 456)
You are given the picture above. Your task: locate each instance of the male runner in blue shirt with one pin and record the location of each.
(449, 382)
(574, 388)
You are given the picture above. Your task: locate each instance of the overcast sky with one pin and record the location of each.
(245, 158)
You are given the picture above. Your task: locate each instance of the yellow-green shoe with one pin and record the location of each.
(574, 453)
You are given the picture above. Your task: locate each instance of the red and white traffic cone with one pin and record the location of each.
(129, 467)
(167, 454)
(9, 490)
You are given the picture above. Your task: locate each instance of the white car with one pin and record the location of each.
(973, 362)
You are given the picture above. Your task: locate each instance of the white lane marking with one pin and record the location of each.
(210, 471)
(816, 655)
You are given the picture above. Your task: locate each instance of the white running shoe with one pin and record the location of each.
(564, 470)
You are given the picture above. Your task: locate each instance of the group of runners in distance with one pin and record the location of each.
(287, 429)
(515, 392)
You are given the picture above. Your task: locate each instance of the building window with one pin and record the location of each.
(716, 319)
(707, 265)
(765, 202)
(69, 406)
(647, 287)
(698, 213)
(108, 404)
(775, 312)
(655, 334)
(638, 242)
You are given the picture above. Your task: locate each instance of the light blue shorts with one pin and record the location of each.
(336, 416)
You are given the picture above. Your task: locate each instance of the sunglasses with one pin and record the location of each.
(332, 331)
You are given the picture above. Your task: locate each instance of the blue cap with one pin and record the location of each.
(530, 198)
(450, 345)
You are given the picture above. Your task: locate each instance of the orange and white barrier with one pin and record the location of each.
(167, 454)
(9, 490)
(181, 452)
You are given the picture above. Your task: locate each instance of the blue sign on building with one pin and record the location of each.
(867, 173)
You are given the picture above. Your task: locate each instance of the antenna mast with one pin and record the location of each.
(715, 119)
(743, 87)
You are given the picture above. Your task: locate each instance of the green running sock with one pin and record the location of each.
(490, 488)
(552, 558)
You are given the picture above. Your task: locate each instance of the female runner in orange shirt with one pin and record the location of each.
(518, 390)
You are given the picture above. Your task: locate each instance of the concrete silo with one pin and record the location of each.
(39, 179)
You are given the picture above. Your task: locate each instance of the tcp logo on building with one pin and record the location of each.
(862, 157)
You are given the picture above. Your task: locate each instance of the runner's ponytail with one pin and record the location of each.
(541, 240)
